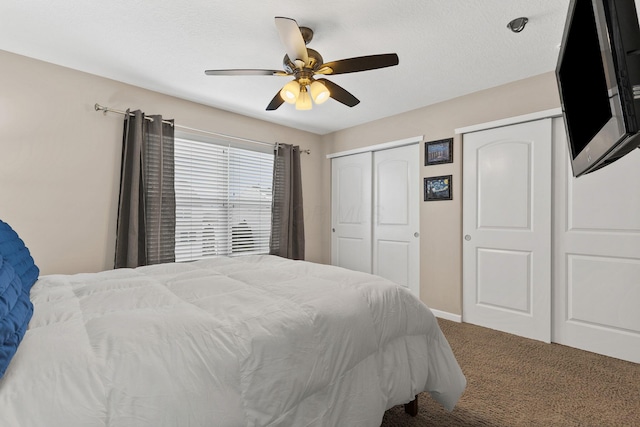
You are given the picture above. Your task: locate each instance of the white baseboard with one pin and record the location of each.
(447, 316)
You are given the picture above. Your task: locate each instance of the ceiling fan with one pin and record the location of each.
(304, 64)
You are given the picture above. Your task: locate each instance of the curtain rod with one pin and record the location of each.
(106, 110)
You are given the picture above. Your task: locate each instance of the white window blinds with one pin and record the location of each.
(223, 198)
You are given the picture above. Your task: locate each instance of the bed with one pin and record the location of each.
(231, 341)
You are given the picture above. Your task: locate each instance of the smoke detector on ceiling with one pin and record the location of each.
(517, 24)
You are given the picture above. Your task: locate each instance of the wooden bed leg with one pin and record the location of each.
(411, 408)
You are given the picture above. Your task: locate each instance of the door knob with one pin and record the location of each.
(333, 230)
(416, 234)
(467, 237)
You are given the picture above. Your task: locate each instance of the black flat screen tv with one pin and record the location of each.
(598, 76)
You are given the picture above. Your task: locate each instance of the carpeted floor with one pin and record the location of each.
(514, 381)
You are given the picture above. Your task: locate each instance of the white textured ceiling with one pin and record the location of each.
(446, 48)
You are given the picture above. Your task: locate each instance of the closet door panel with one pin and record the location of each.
(506, 228)
(597, 256)
(396, 223)
(351, 212)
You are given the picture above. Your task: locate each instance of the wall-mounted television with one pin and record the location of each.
(598, 76)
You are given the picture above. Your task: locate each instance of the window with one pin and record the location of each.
(223, 197)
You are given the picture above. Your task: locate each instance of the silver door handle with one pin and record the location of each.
(416, 234)
(467, 237)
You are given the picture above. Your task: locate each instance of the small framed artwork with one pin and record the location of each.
(437, 152)
(437, 188)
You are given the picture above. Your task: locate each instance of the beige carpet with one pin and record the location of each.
(514, 381)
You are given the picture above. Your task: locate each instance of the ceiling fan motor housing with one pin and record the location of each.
(315, 60)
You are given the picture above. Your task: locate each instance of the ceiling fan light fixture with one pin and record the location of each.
(290, 92)
(319, 92)
(304, 100)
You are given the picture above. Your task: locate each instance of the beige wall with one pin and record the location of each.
(60, 159)
(61, 162)
(441, 222)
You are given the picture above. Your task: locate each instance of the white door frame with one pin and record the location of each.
(378, 147)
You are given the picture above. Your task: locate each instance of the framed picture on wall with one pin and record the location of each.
(437, 188)
(437, 152)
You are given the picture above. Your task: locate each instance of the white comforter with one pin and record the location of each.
(249, 341)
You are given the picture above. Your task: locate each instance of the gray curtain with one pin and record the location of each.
(287, 219)
(146, 208)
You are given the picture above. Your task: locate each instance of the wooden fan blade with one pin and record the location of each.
(339, 93)
(292, 39)
(240, 72)
(276, 102)
(360, 63)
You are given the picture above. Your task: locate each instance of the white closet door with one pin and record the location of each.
(351, 212)
(396, 222)
(597, 257)
(507, 230)
(375, 198)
